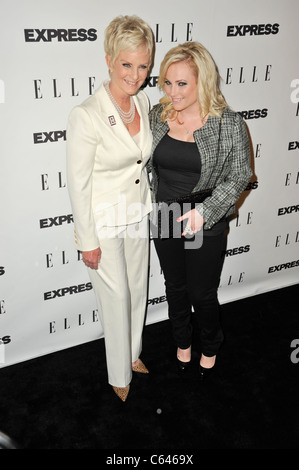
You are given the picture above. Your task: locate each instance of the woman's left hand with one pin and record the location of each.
(194, 222)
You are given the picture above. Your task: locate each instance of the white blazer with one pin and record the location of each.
(106, 175)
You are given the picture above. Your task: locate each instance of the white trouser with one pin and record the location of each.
(120, 285)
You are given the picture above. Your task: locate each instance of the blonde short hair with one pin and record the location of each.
(207, 76)
(128, 33)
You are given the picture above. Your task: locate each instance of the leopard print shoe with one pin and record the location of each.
(140, 368)
(122, 392)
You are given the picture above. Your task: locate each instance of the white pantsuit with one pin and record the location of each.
(121, 289)
(110, 198)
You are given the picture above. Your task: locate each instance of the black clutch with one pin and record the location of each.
(191, 198)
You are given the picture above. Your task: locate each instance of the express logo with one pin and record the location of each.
(254, 113)
(280, 267)
(66, 35)
(151, 82)
(288, 210)
(157, 300)
(52, 136)
(252, 29)
(238, 250)
(67, 291)
(293, 145)
(5, 339)
(56, 221)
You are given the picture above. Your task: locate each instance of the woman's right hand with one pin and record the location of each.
(92, 258)
(194, 222)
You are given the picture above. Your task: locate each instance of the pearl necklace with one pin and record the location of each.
(128, 117)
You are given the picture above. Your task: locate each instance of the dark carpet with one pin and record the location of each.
(63, 400)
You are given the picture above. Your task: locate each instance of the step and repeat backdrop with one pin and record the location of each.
(51, 59)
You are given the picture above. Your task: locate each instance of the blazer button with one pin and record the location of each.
(139, 161)
(137, 181)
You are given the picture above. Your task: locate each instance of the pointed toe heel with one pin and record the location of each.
(140, 368)
(122, 392)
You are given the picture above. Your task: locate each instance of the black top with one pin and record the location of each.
(178, 165)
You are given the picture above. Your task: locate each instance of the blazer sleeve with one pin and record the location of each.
(235, 180)
(154, 118)
(81, 150)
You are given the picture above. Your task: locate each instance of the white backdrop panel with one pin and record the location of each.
(46, 301)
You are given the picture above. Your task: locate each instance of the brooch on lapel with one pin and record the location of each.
(112, 120)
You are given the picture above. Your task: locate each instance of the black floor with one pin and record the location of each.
(63, 401)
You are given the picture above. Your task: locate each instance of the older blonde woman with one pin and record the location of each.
(200, 162)
(108, 146)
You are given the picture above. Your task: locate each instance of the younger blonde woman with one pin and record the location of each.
(200, 161)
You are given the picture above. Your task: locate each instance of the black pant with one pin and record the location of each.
(192, 278)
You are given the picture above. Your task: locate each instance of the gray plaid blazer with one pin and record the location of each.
(223, 144)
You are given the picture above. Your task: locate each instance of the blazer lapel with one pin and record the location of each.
(144, 125)
(112, 119)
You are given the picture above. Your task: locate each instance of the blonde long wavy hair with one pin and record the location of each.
(207, 76)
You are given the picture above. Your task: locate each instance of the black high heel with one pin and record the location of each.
(182, 366)
(204, 373)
